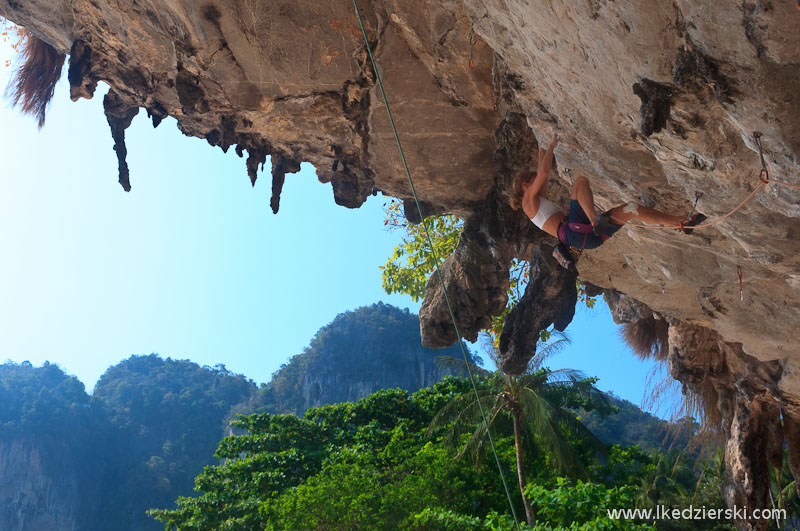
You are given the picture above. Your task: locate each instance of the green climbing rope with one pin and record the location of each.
(436, 261)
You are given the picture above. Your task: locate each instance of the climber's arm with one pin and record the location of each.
(543, 171)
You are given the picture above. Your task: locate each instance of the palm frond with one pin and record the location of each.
(476, 444)
(459, 412)
(543, 419)
(557, 342)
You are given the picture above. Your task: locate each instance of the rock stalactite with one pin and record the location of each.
(549, 299)
(119, 116)
(280, 167)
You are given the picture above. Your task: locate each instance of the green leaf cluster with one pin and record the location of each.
(414, 260)
(363, 465)
(582, 506)
(37, 400)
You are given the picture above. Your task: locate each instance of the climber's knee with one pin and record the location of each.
(580, 182)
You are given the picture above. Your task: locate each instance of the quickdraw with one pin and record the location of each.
(741, 288)
(763, 176)
(697, 196)
(471, 62)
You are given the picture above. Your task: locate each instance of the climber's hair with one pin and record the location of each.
(34, 81)
(516, 193)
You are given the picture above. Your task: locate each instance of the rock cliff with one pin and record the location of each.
(654, 104)
(35, 494)
(358, 353)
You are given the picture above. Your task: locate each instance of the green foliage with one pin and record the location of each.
(448, 520)
(165, 419)
(581, 506)
(534, 407)
(563, 507)
(584, 296)
(153, 424)
(355, 465)
(413, 261)
(622, 466)
(37, 400)
(353, 494)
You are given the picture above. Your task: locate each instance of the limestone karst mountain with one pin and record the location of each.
(653, 102)
(358, 353)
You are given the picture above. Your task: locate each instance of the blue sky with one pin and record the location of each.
(191, 263)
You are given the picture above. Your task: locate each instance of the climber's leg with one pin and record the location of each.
(582, 193)
(624, 213)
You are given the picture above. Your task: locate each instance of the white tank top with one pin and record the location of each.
(546, 210)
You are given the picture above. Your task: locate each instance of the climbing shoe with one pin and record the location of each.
(693, 222)
(600, 224)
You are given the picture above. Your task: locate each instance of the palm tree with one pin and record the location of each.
(536, 402)
(783, 492)
(661, 481)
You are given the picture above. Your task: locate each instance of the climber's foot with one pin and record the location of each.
(693, 222)
(600, 223)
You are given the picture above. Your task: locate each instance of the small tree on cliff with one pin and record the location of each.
(413, 261)
(538, 404)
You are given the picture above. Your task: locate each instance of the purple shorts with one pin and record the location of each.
(576, 230)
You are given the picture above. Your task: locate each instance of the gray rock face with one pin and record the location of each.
(653, 103)
(32, 497)
(414, 370)
(625, 309)
(360, 352)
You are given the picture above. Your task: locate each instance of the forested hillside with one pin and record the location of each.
(150, 427)
(52, 449)
(165, 418)
(630, 426)
(391, 462)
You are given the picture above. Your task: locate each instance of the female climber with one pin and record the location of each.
(582, 228)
